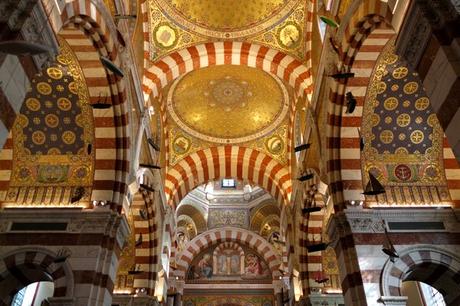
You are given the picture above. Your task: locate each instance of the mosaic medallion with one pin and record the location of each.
(289, 35)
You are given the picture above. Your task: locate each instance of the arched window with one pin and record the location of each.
(34, 294)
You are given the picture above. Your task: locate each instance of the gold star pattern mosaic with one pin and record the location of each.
(403, 139)
(54, 129)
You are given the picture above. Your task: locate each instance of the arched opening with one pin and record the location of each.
(419, 293)
(33, 294)
(426, 264)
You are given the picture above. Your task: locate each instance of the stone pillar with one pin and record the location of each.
(177, 299)
(281, 289)
(344, 246)
(279, 299)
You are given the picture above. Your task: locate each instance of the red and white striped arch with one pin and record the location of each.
(14, 278)
(228, 161)
(287, 68)
(85, 19)
(228, 234)
(164, 71)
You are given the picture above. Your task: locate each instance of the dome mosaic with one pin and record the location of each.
(228, 104)
(218, 18)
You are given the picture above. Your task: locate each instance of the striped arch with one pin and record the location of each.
(428, 264)
(227, 161)
(228, 234)
(363, 50)
(111, 169)
(370, 20)
(13, 278)
(147, 254)
(309, 230)
(363, 64)
(287, 68)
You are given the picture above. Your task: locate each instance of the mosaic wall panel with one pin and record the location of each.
(220, 217)
(175, 25)
(228, 262)
(403, 138)
(53, 135)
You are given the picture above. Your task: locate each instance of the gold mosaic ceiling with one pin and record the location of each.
(235, 17)
(176, 24)
(228, 15)
(228, 104)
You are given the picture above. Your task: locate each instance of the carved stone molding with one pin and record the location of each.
(370, 220)
(317, 299)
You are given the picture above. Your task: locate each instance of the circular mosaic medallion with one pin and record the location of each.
(54, 72)
(381, 87)
(165, 36)
(390, 103)
(386, 136)
(38, 137)
(410, 88)
(432, 120)
(274, 145)
(81, 173)
(33, 104)
(422, 103)
(417, 136)
(73, 87)
(400, 72)
(375, 119)
(52, 120)
(44, 88)
(289, 35)
(23, 174)
(403, 120)
(64, 104)
(431, 172)
(181, 144)
(228, 104)
(68, 137)
(403, 172)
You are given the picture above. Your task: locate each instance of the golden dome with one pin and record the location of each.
(228, 104)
